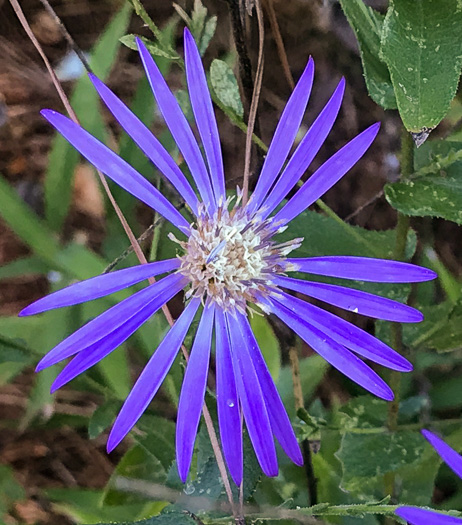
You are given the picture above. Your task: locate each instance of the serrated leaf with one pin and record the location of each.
(437, 194)
(201, 26)
(225, 86)
(366, 457)
(367, 25)
(422, 47)
(167, 518)
(154, 49)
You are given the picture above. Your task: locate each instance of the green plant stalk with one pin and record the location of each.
(402, 228)
(299, 403)
(142, 13)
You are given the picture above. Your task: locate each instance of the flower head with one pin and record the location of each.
(230, 261)
(417, 516)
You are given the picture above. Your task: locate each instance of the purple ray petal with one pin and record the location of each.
(337, 355)
(280, 422)
(115, 167)
(147, 142)
(201, 104)
(152, 376)
(229, 418)
(452, 459)
(362, 303)
(417, 516)
(364, 269)
(306, 151)
(94, 353)
(346, 334)
(178, 126)
(284, 136)
(327, 175)
(99, 286)
(109, 320)
(192, 392)
(252, 400)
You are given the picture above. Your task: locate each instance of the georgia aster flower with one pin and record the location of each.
(229, 260)
(453, 460)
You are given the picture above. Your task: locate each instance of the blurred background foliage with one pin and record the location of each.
(402, 63)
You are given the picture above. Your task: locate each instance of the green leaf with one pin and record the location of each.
(10, 490)
(326, 236)
(25, 223)
(201, 26)
(136, 465)
(167, 518)
(25, 266)
(102, 418)
(422, 47)
(63, 157)
(437, 194)
(368, 25)
(154, 49)
(225, 86)
(158, 438)
(268, 344)
(366, 458)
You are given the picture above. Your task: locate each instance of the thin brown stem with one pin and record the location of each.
(279, 42)
(254, 104)
(67, 35)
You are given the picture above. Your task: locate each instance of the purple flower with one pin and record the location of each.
(229, 261)
(417, 516)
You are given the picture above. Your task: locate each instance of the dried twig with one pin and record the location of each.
(279, 42)
(254, 104)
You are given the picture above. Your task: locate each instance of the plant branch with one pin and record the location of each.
(254, 103)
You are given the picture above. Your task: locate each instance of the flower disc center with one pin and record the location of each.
(230, 258)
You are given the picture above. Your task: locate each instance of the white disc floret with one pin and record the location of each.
(230, 258)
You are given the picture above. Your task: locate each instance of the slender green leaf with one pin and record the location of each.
(63, 157)
(102, 418)
(25, 266)
(25, 223)
(268, 344)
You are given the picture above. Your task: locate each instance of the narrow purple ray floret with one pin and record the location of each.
(229, 261)
(453, 460)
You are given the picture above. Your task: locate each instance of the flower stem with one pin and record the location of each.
(299, 403)
(402, 228)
